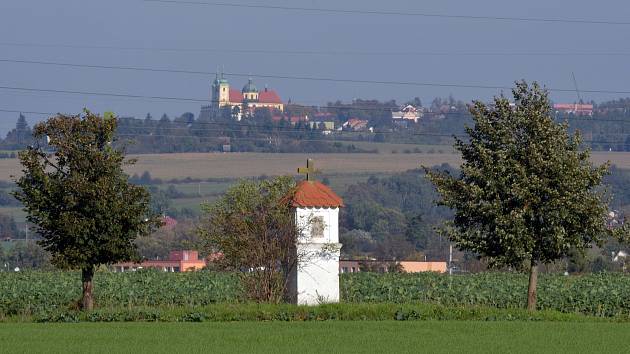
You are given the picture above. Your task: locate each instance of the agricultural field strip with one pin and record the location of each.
(240, 165)
(603, 295)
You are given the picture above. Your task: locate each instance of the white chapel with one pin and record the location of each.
(316, 210)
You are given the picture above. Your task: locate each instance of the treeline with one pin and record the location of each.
(225, 134)
(395, 218)
(268, 131)
(391, 217)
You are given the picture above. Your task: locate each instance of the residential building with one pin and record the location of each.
(407, 114)
(178, 261)
(574, 108)
(356, 124)
(384, 266)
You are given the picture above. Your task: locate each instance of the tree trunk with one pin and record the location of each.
(87, 301)
(533, 282)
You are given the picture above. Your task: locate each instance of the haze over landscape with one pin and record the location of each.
(311, 176)
(263, 41)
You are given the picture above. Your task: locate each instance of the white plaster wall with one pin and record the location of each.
(331, 219)
(318, 274)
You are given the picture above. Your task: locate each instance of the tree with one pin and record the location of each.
(27, 255)
(526, 193)
(253, 227)
(79, 198)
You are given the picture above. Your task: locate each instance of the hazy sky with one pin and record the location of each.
(46, 30)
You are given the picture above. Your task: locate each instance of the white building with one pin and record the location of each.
(407, 113)
(316, 279)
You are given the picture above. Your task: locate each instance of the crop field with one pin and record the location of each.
(312, 337)
(602, 295)
(239, 165)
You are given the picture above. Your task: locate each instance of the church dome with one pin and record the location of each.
(250, 87)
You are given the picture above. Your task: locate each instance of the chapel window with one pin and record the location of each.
(317, 227)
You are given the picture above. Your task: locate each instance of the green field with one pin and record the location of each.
(48, 294)
(318, 337)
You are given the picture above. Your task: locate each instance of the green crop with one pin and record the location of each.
(603, 295)
(34, 292)
(606, 294)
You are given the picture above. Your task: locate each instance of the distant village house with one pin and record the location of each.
(178, 261)
(407, 113)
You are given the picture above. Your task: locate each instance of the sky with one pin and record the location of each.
(373, 47)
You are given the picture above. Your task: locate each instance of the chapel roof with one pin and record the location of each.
(315, 194)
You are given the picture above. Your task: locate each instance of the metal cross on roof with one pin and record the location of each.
(309, 170)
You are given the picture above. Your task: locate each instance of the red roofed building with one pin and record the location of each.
(178, 261)
(356, 124)
(247, 100)
(574, 108)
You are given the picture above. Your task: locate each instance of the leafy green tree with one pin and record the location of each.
(253, 227)
(79, 198)
(27, 255)
(526, 191)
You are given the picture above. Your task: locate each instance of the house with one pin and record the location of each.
(326, 125)
(408, 113)
(384, 266)
(574, 108)
(356, 124)
(178, 261)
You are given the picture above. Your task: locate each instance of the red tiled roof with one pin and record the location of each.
(236, 96)
(315, 194)
(269, 96)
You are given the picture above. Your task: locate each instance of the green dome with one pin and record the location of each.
(250, 87)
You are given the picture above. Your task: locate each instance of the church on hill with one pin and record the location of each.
(245, 101)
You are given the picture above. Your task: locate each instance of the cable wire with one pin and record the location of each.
(392, 13)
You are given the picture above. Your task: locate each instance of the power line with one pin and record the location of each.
(106, 94)
(283, 77)
(393, 13)
(322, 52)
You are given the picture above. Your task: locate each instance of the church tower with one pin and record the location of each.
(220, 92)
(316, 208)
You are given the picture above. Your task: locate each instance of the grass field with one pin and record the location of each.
(318, 337)
(238, 165)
